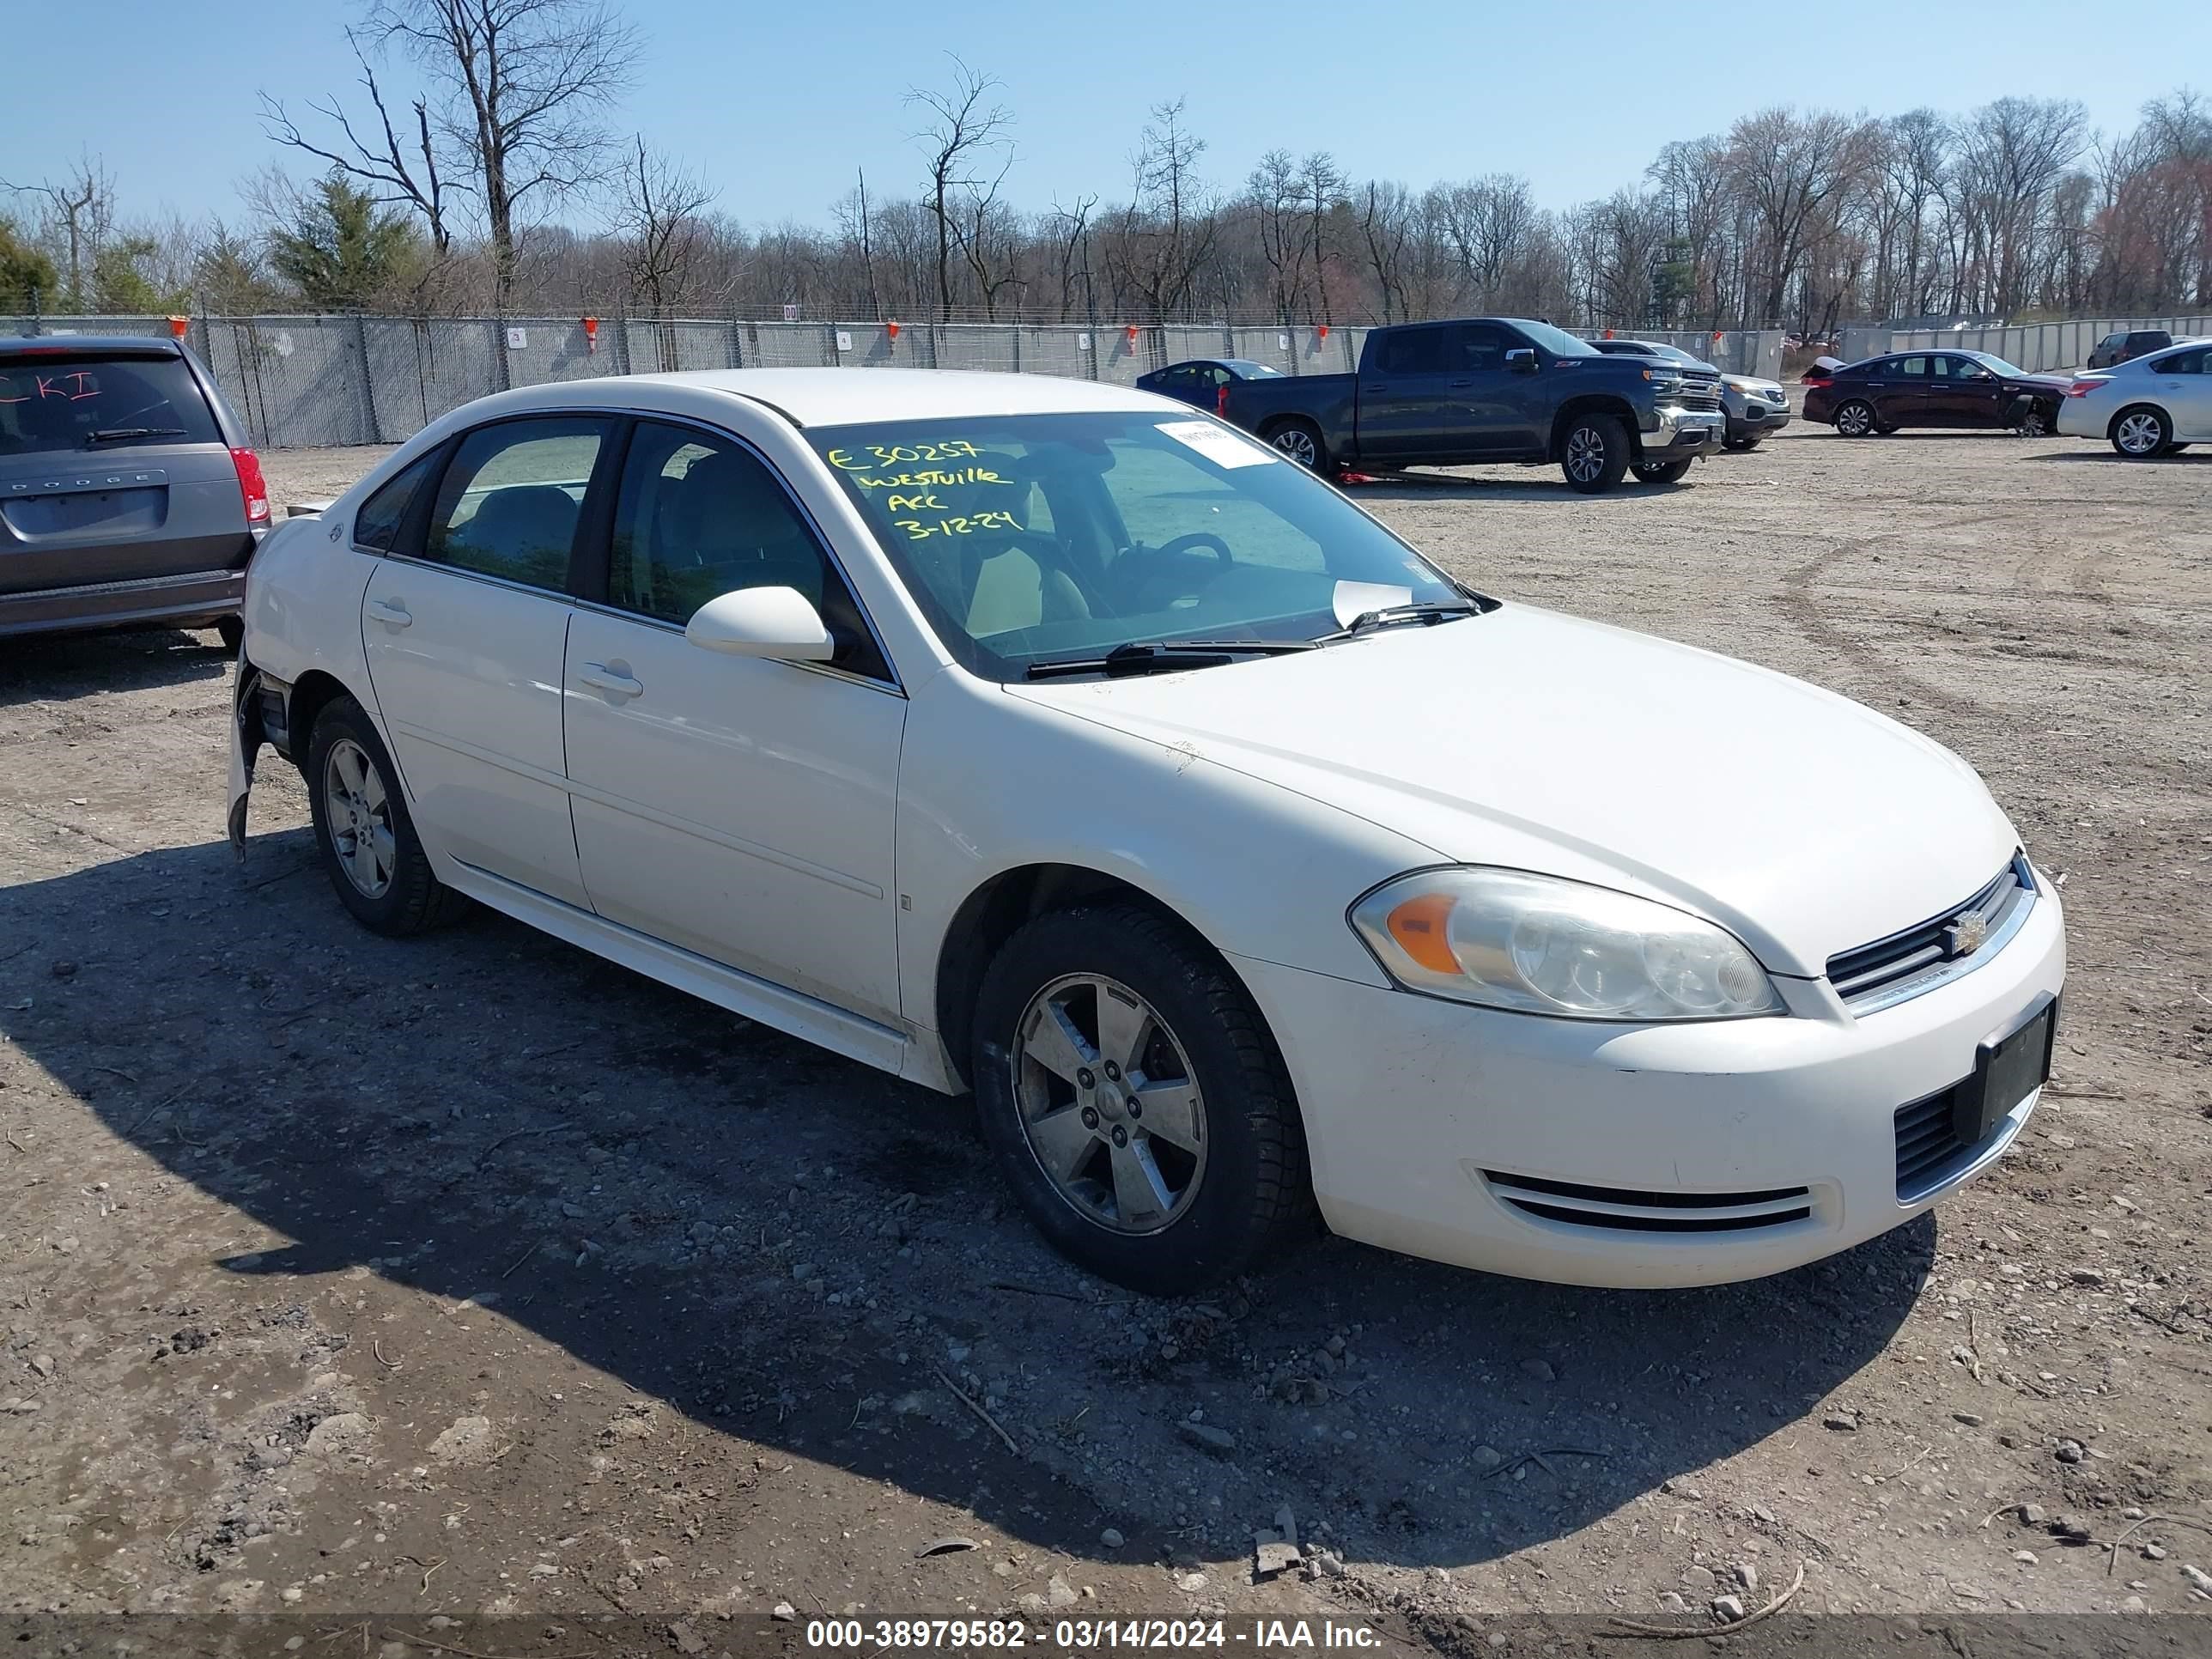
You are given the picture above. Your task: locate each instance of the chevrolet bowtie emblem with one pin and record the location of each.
(1966, 934)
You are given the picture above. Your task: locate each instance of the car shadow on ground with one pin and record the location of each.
(2105, 452)
(656, 1188)
(56, 667)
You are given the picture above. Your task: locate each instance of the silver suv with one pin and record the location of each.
(128, 495)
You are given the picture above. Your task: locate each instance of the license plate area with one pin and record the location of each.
(2008, 1069)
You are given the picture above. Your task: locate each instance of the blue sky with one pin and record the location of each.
(779, 103)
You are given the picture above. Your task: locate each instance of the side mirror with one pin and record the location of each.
(1522, 360)
(761, 621)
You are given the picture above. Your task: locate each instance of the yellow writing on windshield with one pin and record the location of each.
(919, 530)
(950, 449)
(934, 478)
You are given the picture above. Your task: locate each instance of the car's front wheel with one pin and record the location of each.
(1663, 473)
(370, 850)
(1594, 453)
(1135, 1100)
(1742, 446)
(2140, 431)
(1856, 419)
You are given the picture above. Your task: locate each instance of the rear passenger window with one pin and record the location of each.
(1910, 368)
(1414, 351)
(377, 525)
(511, 499)
(2183, 362)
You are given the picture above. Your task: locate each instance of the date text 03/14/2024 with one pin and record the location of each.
(1085, 1634)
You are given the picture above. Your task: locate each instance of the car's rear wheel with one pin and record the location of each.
(1594, 453)
(1301, 441)
(1663, 473)
(373, 857)
(1135, 1100)
(2140, 432)
(1855, 418)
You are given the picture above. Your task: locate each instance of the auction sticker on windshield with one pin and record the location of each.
(1222, 448)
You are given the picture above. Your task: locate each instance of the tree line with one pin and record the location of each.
(477, 166)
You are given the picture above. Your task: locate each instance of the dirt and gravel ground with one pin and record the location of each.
(404, 1285)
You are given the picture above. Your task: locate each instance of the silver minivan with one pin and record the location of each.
(129, 497)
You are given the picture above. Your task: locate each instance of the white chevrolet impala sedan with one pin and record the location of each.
(1059, 743)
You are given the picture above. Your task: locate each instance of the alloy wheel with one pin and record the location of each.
(1109, 1104)
(1854, 420)
(1585, 457)
(2141, 433)
(1298, 443)
(360, 818)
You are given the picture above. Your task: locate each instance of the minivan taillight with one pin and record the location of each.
(251, 485)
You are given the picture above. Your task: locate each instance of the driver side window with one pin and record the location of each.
(698, 517)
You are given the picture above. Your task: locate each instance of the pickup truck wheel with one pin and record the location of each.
(1663, 473)
(1856, 419)
(232, 631)
(1741, 445)
(1135, 1100)
(1594, 453)
(1302, 441)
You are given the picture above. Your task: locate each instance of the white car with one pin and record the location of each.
(2149, 406)
(1059, 742)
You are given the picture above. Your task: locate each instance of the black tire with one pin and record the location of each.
(1301, 441)
(232, 630)
(2140, 431)
(2175, 449)
(1741, 445)
(2040, 421)
(413, 900)
(1253, 1191)
(1856, 419)
(1663, 473)
(1596, 446)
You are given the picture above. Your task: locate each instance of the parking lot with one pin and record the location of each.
(380, 1281)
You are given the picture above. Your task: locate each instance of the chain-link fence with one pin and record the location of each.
(311, 381)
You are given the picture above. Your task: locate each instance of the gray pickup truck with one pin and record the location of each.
(1489, 389)
(128, 495)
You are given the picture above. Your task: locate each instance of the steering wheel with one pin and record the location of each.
(1195, 539)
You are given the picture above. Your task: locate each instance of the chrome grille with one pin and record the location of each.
(1620, 1209)
(1923, 955)
(1699, 394)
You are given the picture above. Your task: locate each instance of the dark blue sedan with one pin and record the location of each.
(1201, 382)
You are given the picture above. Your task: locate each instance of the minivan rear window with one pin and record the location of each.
(73, 401)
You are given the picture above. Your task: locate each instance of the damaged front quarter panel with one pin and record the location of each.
(246, 737)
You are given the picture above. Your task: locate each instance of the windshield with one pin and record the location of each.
(1997, 363)
(1674, 355)
(1027, 537)
(74, 400)
(1557, 341)
(1252, 371)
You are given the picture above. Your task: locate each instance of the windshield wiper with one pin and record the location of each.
(116, 434)
(1427, 612)
(1161, 656)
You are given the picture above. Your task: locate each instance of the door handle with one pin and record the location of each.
(600, 678)
(390, 611)
(1460, 385)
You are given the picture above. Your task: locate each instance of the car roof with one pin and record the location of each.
(845, 397)
(53, 345)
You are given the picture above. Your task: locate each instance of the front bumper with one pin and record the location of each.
(1683, 431)
(198, 596)
(1750, 418)
(1724, 1151)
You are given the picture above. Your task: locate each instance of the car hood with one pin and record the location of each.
(1804, 823)
(2040, 382)
(1752, 383)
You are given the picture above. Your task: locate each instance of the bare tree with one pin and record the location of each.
(1790, 171)
(1321, 192)
(660, 224)
(1165, 236)
(522, 88)
(1273, 191)
(1387, 218)
(962, 137)
(1071, 244)
(77, 213)
(395, 172)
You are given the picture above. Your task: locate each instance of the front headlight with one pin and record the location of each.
(1538, 945)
